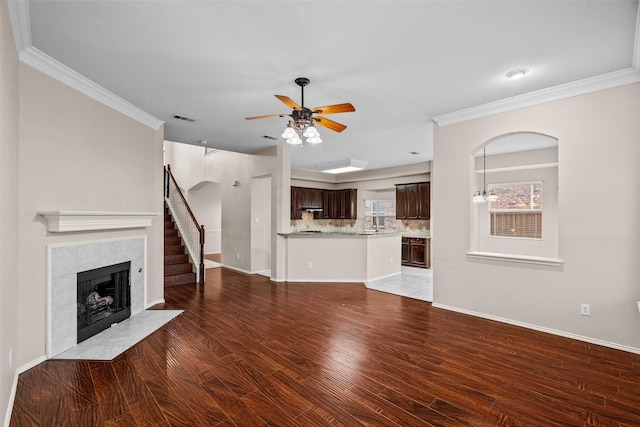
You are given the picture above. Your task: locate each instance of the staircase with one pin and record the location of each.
(177, 268)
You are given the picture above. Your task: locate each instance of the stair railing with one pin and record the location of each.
(191, 231)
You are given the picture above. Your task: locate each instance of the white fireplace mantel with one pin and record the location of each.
(65, 221)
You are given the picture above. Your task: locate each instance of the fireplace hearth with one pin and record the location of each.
(104, 298)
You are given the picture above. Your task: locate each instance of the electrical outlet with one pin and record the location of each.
(585, 309)
(10, 358)
(238, 256)
(309, 265)
(390, 260)
(257, 220)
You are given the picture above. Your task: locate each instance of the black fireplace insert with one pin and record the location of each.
(104, 298)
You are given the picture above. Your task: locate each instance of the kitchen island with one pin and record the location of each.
(341, 257)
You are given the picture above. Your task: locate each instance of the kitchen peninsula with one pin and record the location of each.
(341, 256)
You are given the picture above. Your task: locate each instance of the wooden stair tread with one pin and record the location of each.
(180, 279)
(177, 268)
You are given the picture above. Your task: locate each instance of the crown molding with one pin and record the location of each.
(636, 47)
(53, 68)
(20, 23)
(580, 87)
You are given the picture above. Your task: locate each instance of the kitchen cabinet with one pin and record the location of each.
(329, 204)
(405, 258)
(424, 200)
(335, 204)
(296, 202)
(416, 252)
(413, 201)
(401, 201)
(306, 197)
(346, 204)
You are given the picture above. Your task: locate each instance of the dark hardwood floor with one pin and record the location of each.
(248, 352)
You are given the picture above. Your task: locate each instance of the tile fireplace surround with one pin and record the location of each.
(65, 261)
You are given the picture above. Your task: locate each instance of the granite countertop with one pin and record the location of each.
(338, 234)
(417, 234)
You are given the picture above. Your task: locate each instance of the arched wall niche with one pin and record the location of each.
(527, 160)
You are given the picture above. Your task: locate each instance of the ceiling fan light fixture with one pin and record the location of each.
(311, 132)
(288, 132)
(294, 140)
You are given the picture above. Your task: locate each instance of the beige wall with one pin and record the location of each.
(9, 243)
(190, 167)
(261, 224)
(598, 236)
(205, 202)
(77, 154)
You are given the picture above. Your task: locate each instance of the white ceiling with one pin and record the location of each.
(400, 63)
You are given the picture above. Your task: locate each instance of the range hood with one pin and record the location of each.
(312, 208)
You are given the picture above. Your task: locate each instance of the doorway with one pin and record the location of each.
(205, 200)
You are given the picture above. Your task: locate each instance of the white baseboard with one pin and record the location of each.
(12, 398)
(383, 277)
(14, 386)
(540, 328)
(345, 281)
(241, 270)
(152, 303)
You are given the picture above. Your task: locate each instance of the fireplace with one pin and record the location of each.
(104, 298)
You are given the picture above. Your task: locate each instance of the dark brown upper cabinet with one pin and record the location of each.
(413, 201)
(335, 204)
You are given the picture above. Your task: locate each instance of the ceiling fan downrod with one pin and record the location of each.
(302, 82)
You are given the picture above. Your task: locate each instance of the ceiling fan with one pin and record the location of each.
(303, 119)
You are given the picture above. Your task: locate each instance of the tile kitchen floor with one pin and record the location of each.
(413, 282)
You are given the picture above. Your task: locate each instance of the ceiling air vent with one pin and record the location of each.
(186, 119)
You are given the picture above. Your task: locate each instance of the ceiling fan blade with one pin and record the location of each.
(289, 102)
(336, 108)
(329, 124)
(270, 116)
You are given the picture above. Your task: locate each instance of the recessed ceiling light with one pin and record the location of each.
(517, 74)
(203, 141)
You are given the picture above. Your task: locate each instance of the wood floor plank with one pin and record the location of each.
(250, 352)
(109, 392)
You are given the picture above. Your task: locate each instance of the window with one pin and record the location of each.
(379, 214)
(517, 210)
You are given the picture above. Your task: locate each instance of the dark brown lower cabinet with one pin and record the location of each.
(415, 252)
(405, 260)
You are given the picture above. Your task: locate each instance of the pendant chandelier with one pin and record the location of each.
(482, 196)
